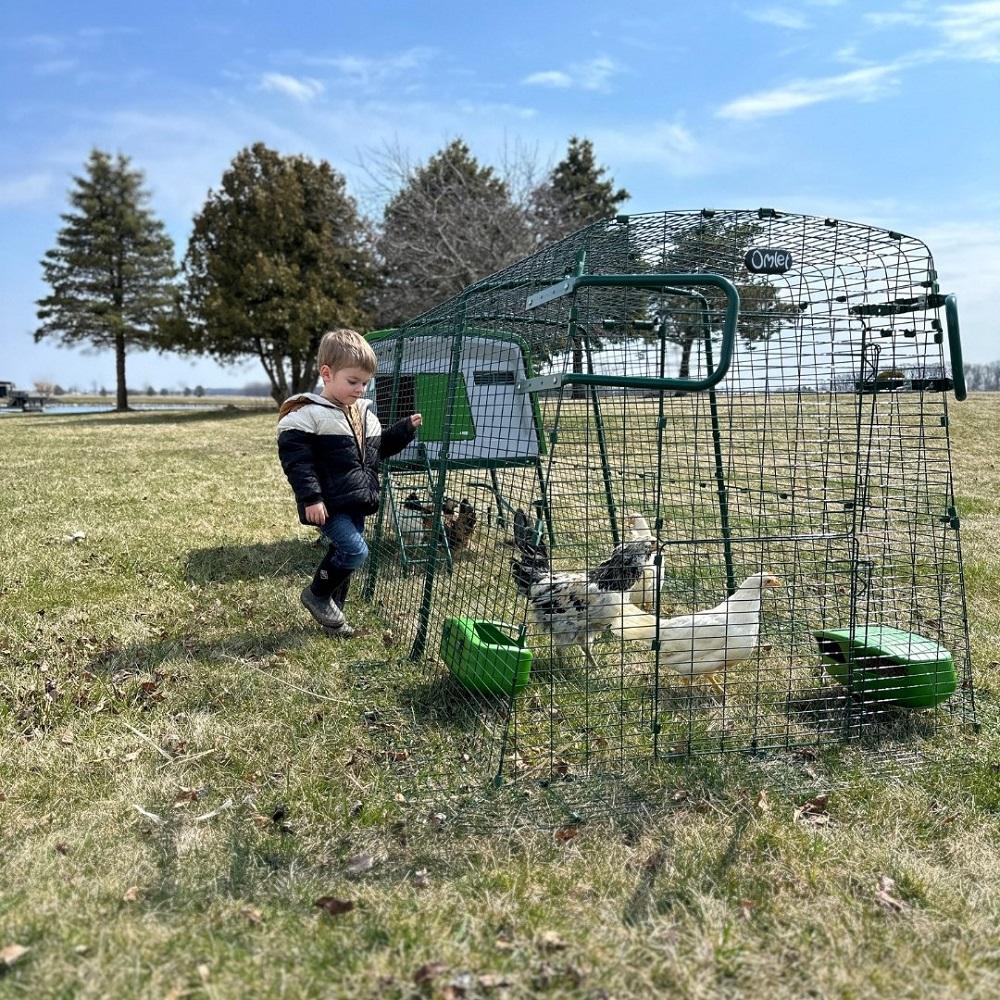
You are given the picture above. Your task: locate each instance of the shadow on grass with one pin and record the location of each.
(146, 657)
(289, 557)
(830, 710)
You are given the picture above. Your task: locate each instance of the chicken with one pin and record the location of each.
(707, 642)
(416, 521)
(459, 525)
(575, 607)
(644, 592)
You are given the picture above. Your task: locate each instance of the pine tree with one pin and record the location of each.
(717, 248)
(112, 269)
(451, 223)
(575, 194)
(278, 256)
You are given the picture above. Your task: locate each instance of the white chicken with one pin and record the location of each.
(575, 607)
(644, 592)
(708, 642)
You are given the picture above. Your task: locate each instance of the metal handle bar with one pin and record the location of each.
(655, 281)
(955, 346)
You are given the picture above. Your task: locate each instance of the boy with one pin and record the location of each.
(330, 446)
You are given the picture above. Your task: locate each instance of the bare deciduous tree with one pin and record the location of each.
(446, 224)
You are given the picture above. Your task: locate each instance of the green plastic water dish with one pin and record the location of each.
(483, 657)
(888, 664)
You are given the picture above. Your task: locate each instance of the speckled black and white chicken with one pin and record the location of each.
(707, 642)
(644, 592)
(575, 607)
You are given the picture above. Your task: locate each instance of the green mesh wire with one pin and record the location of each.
(820, 456)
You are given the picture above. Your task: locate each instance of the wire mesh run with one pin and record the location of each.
(683, 487)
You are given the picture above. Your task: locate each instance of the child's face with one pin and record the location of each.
(345, 385)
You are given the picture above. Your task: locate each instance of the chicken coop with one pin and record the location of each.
(683, 487)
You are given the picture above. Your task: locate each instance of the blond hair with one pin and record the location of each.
(346, 349)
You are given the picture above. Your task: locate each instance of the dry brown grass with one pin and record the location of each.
(181, 779)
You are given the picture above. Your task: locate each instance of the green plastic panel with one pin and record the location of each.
(889, 665)
(483, 658)
(431, 400)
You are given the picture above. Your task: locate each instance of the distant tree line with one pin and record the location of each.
(982, 377)
(280, 252)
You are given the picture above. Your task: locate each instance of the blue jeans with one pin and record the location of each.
(345, 533)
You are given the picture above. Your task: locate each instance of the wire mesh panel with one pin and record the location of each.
(683, 486)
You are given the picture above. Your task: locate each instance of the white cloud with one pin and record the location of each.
(24, 190)
(779, 17)
(299, 88)
(493, 108)
(592, 75)
(967, 256)
(669, 147)
(368, 71)
(968, 30)
(860, 85)
(549, 78)
(972, 29)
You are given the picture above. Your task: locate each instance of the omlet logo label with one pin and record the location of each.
(768, 261)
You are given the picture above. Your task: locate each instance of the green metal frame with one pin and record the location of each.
(442, 464)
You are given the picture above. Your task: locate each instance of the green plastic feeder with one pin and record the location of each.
(483, 657)
(887, 664)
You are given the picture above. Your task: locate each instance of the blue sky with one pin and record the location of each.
(879, 113)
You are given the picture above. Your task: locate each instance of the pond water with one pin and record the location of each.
(65, 408)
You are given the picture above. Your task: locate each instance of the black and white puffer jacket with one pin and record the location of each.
(322, 457)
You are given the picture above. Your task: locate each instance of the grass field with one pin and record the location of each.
(184, 774)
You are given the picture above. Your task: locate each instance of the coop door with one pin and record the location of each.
(426, 393)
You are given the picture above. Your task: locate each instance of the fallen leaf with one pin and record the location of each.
(420, 878)
(567, 833)
(12, 953)
(334, 906)
(762, 804)
(550, 941)
(131, 894)
(884, 895)
(503, 944)
(429, 971)
(813, 811)
(746, 908)
(82, 949)
(252, 914)
(493, 981)
(67, 739)
(359, 864)
(186, 795)
(62, 847)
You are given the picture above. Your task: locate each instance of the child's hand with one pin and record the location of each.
(316, 514)
(416, 419)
